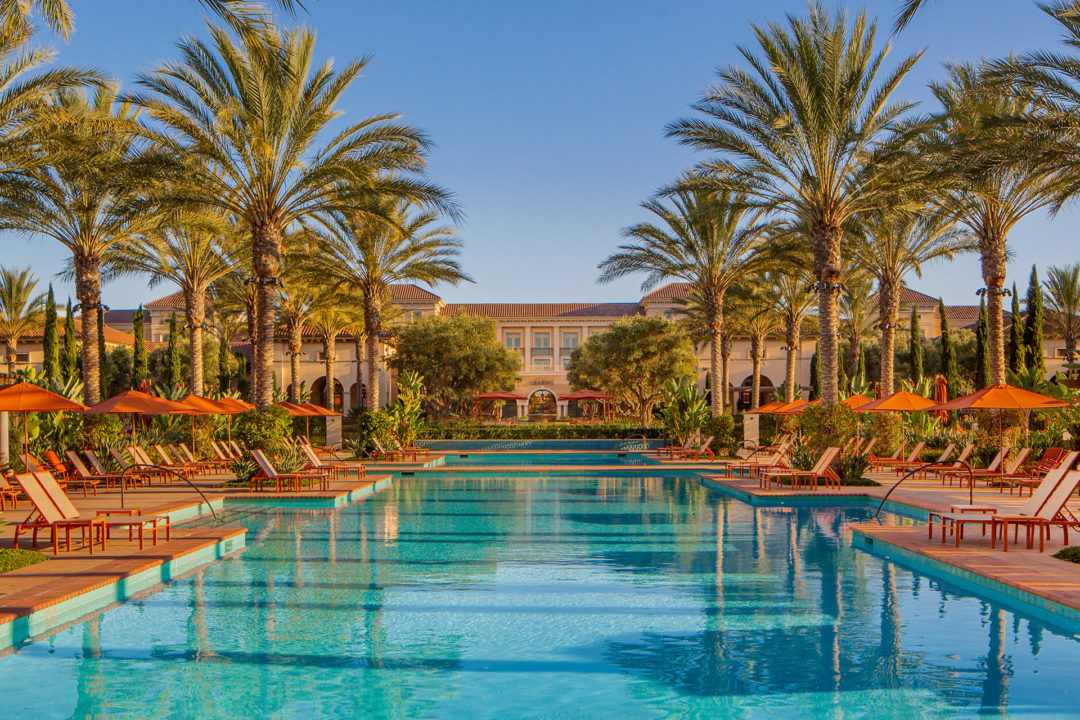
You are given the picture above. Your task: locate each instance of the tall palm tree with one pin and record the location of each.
(82, 197)
(20, 309)
(856, 315)
(892, 245)
(808, 130)
(276, 160)
(366, 254)
(760, 322)
(707, 239)
(298, 302)
(189, 252)
(989, 200)
(330, 319)
(1063, 305)
(786, 293)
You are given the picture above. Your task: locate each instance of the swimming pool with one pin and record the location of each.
(473, 459)
(506, 597)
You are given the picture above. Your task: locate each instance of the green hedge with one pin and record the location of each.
(13, 559)
(468, 430)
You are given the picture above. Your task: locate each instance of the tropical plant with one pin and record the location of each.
(1063, 305)
(987, 200)
(408, 408)
(708, 239)
(685, 410)
(82, 198)
(367, 254)
(808, 131)
(267, 167)
(20, 309)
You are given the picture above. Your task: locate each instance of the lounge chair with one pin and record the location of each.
(751, 468)
(903, 467)
(85, 475)
(381, 452)
(992, 468)
(415, 451)
(33, 465)
(1023, 480)
(337, 469)
(131, 472)
(1050, 458)
(868, 447)
(1054, 512)
(957, 464)
(238, 452)
(176, 464)
(700, 449)
(820, 472)
(881, 460)
(1044, 505)
(267, 473)
(211, 466)
(911, 459)
(8, 492)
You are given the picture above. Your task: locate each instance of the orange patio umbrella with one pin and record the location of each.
(26, 398)
(768, 408)
(855, 401)
(295, 410)
(201, 406)
(234, 405)
(901, 401)
(136, 402)
(317, 411)
(1002, 397)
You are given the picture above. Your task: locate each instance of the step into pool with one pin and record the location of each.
(570, 597)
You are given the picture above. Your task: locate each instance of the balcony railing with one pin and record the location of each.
(568, 350)
(541, 352)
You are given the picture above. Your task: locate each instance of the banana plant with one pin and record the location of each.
(685, 410)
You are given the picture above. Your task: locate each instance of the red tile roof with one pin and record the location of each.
(112, 337)
(411, 292)
(543, 310)
(671, 291)
(173, 300)
(907, 296)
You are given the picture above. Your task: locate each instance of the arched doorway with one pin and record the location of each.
(746, 390)
(542, 404)
(318, 393)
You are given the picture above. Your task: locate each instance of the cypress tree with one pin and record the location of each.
(173, 371)
(915, 350)
(1033, 324)
(948, 354)
(139, 360)
(223, 364)
(51, 340)
(815, 375)
(1015, 351)
(982, 348)
(103, 375)
(70, 356)
(860, 371)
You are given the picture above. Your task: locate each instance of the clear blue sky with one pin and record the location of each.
(549, 116)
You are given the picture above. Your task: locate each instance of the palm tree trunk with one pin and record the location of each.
(888, 314)
(195, 310)
(791, 338)
(296, 341)
(12, 353)
(359, 350)
(1070, 349)
(827, 262)
(330, 357)
(88, 290)
(992, 248)
(725, 364)
(715, 320)
(372, 328)
(266, 261)
(755, 359)
(252, 309)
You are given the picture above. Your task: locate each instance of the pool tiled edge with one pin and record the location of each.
(30, 622)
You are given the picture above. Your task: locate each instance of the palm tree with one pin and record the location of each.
(707, 239)
(82, 198)
(188, 251)
(366, 254)
(276, 161)
(298, 301)
(1063, 305)
(989, 200)
(20, 309)
(786, 293)
(329, 320)
(890, 246)
(808, 130)
(856, 315)
(759, 323)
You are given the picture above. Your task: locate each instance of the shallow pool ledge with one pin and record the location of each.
(27, 615)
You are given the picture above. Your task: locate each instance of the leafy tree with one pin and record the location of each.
(50, 341)
(20, 309)
(70, 356)
(805, 131)
(140, 369)
(278, 160)
(119, 370)
(948, 353)
(1015, 355)
(459, 357)
(632, 360)
(982, 349)
(915, 348)
(1033, 324)
(1063, 305)
(707, 239)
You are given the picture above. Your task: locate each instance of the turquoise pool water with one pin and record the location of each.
(472, 459)
(552, 597)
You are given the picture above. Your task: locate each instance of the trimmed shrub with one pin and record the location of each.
(263, 429)
(826, 427)
(13, 559)
(1070, 554)
(471, 430)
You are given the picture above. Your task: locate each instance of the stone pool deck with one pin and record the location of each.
(44, 597)
(1027, 575)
